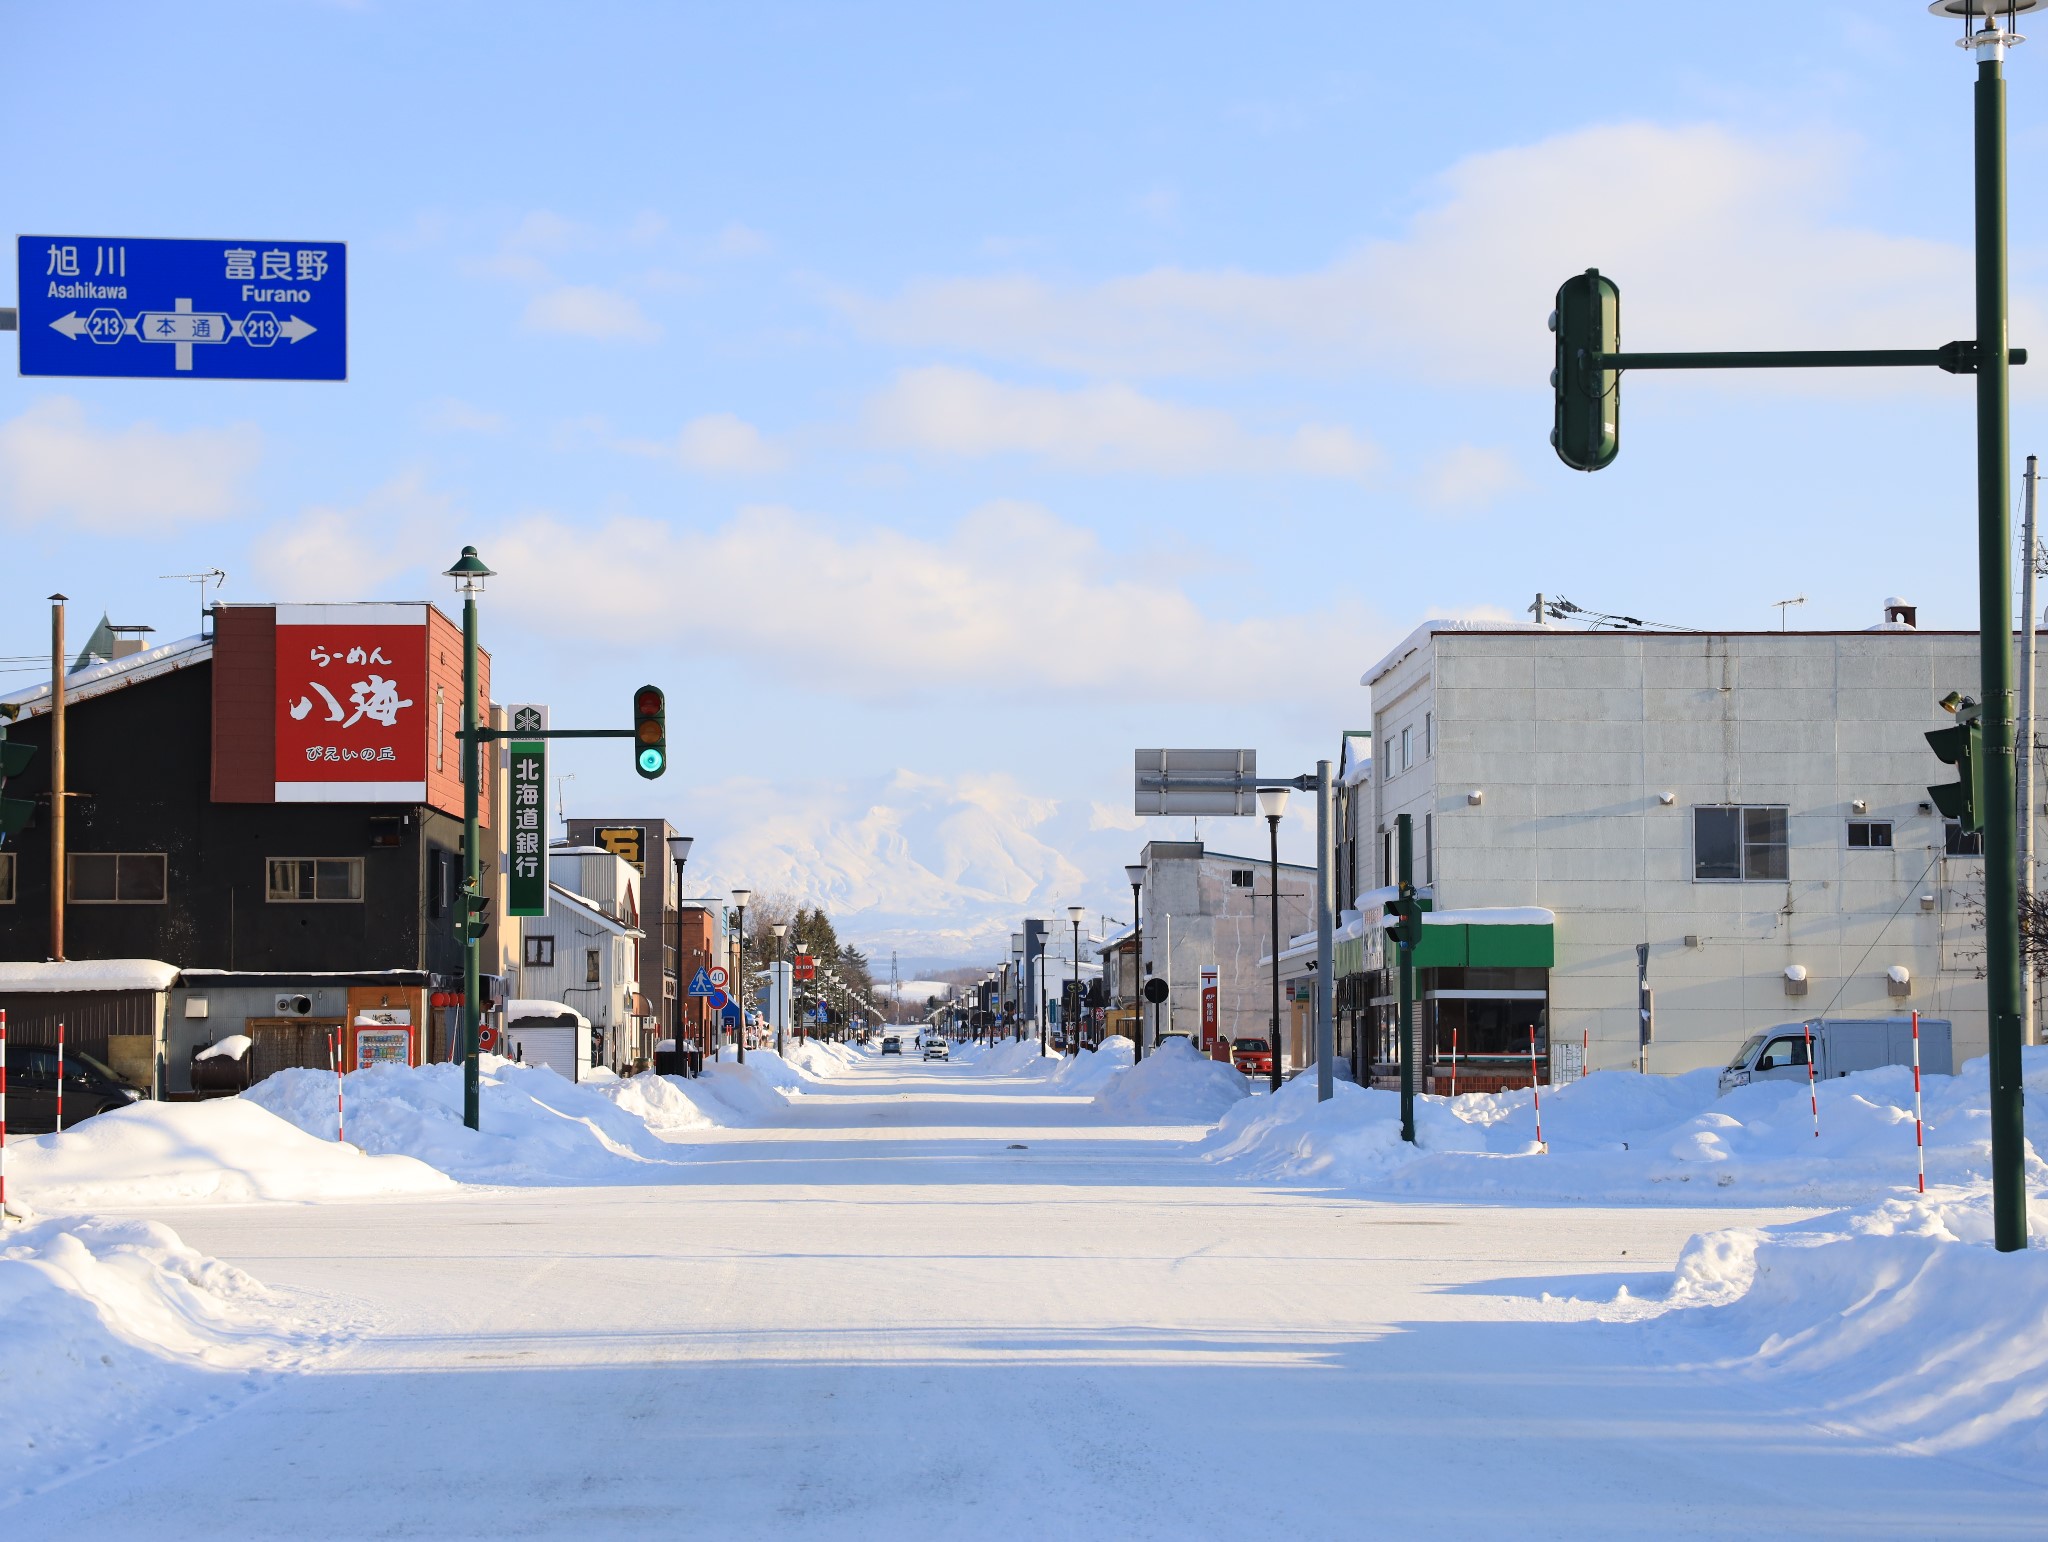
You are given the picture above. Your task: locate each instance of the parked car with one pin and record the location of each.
(936, 1049)
(90, 1087)
(1840, 1045)
(1252, 1056)
(891, 1045)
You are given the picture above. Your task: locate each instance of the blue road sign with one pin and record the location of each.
(191, 310)
(700, 983)
(731, 1014)
(719, 1000)
(820, 1015)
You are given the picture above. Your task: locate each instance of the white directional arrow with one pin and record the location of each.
(71, 324)
(297, 330)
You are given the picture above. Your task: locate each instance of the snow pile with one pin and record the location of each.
(1010, 1056)
(1090, 1071)
(820, 1059)
(537, 1127)
(114, 1335)
(1899, 1321)
(223, 1149)
(233, 1047)
(1174, 1084)
(1615, 1135)
(671, 1105)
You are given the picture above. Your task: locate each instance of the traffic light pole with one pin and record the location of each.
(472, 872)
(1404, 1001)
(1994, 599)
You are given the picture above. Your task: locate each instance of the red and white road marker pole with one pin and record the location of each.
(60, 1078)
(1919, 1133)
(1585, 1052)
(1454, 1057)
(1812, 1093)
(1536, 1089)
(334, 1065)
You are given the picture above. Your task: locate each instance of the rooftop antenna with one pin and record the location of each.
(212, 576)
(1786, 605)
(561, 799)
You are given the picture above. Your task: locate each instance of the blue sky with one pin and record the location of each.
(940, 401)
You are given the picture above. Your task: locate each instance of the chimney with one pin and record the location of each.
(1897, 610)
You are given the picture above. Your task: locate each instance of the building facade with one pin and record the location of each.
(1737, 824)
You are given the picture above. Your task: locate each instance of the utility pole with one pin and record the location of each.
(1326, 947)
(1410, 930)
(58, 875)
(2023, 768)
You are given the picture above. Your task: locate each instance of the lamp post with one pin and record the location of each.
(1136, 873)
(1017, 985)
(1074, 915)
(1273, 803)
(780, 929)
(1994, 599)
(469, 574)
(678, 854)
(1044, 1005)
(739, 978)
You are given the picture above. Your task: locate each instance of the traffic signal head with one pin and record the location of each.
(650, 731)
(1587, 321)
(1963, 799)
(476, 914)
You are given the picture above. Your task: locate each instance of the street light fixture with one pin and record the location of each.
(1074, 915)
(1017, 985)
(678, 854)
(780, 929)
(1136, 873)
(739, 979)
(1273, 803)
(469, 574)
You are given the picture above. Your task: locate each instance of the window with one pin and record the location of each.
(441, 728)
(1241, 877)
(299, 880)
(1407, 750)
(592, 970)
(115, 878)
(1782, 1053)
(440, 881)
(6, 877)
(1429, 848)
(1960, 843)
(1428, 734)
(1869, 834)
(540, 952)
(1738, 844)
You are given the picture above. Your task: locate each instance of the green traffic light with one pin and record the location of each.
(652, 761)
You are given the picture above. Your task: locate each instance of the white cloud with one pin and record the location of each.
(1011, 599)
(1717, 240)
(56, 464)
(943, 410)
(1470, 477)
(585, 310)
(332, 552)
(449, 415)
(724, 445)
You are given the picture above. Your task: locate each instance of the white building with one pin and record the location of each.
(1738, 821)
(586, 950)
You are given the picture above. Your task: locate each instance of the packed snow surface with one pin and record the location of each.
(223, 1149)
(114, 1334)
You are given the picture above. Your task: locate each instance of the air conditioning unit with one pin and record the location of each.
(294, 1006)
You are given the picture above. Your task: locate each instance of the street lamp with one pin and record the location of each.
(739, 979)
(780, 929)
(469, 574)
(1074, 914)
(678, 854)
(1273, 803)
(1044, 1005)
(1136, 873)
(1017, 985)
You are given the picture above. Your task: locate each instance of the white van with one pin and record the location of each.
(1840, 1045)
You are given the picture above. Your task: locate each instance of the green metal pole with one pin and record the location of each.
(1404, 872)
(1273, 867)
(472, 872)
(1994, 598)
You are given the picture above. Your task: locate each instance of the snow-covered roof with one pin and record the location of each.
(596, 910)
(1114, 939)
(84, 684)
(1491, 915)
(89, 974)
(1422, 634)
(531, 1012)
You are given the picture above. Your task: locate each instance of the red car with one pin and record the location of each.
(1252, 1056)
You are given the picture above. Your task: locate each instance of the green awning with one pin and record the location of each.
(1482, 946)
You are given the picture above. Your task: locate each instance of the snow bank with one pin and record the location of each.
(1617, 1136)
(1898, 1320)
(821, 1059)
(1175, 1084)
(224, 1149)
(1091, 1070)
(1011, 1056)
(114, 1335)
(538, 1127)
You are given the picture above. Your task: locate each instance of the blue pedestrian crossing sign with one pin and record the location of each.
(700, 983)
(182, 310)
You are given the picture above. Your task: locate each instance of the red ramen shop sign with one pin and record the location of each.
(352, 704)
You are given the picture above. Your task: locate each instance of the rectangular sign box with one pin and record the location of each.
(185, 310)
(1207, 782)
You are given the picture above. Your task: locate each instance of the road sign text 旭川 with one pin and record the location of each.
(215, 310)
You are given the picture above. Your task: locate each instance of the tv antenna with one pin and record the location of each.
(1785, 605)
(212, 576)
(562, 799)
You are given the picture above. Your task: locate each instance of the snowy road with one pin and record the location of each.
(882, 1319)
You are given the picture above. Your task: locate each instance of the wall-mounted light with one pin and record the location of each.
(1859, 806)
(1926, 902)
(1667, 798)
(1795, 979)
(1898, 981)
(1475, 797)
